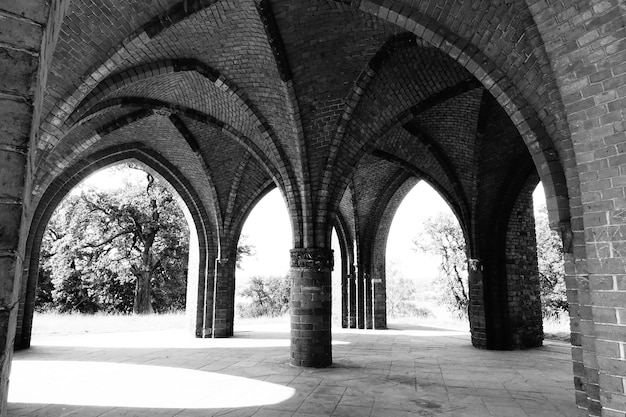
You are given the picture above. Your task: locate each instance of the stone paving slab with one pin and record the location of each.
(405, 371)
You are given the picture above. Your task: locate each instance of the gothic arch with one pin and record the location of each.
(62, 184)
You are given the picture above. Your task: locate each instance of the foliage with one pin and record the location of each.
(244, 249)
(55, 323)
(442, 236)
(99, 245)
(551, 268)
(401, 294)
(269, 296)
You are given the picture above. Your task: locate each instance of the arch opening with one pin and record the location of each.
(262, 278)
(426, 266)
(551, 269)
(197, 219)
(120, 241)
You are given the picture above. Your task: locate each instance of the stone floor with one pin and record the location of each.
(401, 372)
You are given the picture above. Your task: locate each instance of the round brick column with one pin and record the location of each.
(311, 307)
(223, 316)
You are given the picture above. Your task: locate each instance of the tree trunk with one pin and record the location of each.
(143, 304)
(143, 299)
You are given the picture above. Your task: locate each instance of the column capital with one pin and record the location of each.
(223, 261)
(319, 259)
(475, 265)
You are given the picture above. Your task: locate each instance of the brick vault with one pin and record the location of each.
(343, 105)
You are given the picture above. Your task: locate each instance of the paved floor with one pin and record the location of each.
(406, 371)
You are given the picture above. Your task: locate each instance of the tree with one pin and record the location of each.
(401, 294)
(244, 249)
(442, 236)
(101, 244)
(551, 265)
(269, 296)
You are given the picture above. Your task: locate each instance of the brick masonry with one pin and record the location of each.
(342, 105)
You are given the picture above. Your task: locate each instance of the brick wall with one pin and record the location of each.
(522, 273)
(585, 45)
(473, 96)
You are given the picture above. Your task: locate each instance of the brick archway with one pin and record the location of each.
(486, 73)
(206, 246)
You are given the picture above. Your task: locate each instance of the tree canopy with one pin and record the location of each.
(442, 236)
(117, 250)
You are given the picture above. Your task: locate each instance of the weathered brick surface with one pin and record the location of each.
(586, 48)
(522, 273)
(326, 100)
(27, 39)
(310, 307)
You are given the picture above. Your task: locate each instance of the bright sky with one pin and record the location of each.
(268, 229)
(111, 178)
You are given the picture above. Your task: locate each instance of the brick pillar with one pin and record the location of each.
(26, 48)
(352, 297)
(476, 311)
(380, 296)
(505, 303)
(525, 321)
(311, 307)
(224, 297)
(208, 300)
(345, 297)
(360, 297)
(367, 294)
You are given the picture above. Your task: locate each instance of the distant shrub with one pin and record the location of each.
(268, 297)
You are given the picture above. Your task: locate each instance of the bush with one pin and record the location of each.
(269, 296)
(551, 266)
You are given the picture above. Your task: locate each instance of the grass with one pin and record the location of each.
(554, 328)
(57, 323)
(63, 324)
(557, 328)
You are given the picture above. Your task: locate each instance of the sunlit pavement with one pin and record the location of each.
(405, 371)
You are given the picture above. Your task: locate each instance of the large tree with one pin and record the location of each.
(442, 236)
(101, 243)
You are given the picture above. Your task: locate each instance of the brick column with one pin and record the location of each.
(345, 297)
(224, 297)
(208, 300)
(367, 295)
(505, 303)
(525, 322)
(311, 307)
(380, 296)
(360, 297)
(476, 311)
(352, 297)
(26, 47)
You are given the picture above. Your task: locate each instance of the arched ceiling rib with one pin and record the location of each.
(307, 87)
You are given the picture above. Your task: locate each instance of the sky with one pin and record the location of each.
(269, 231)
